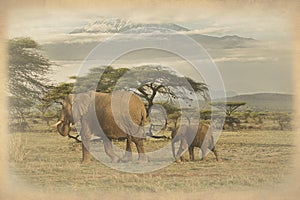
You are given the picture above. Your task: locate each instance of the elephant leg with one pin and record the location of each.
(182, 149)
(86, 156)
(216, 154)
(109, 151)
(174, 140)
(203, 156)
(128, 153)
(139, 143)
(173, 149)
(191, 153)
(85, 137)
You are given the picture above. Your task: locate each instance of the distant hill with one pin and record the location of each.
(260, 102)
(80, 49)
(265, 101)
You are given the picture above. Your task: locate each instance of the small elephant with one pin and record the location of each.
(109, 116)
(191, 137)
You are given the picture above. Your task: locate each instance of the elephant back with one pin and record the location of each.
(120, 113)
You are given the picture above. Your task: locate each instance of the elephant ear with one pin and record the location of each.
(81, 105)
(69, 99)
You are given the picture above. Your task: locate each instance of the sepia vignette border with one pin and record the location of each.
(289, 191)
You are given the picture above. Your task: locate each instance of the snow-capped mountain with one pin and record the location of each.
(116, 25)
(79, 42)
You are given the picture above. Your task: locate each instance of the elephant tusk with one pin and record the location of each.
(57, 123)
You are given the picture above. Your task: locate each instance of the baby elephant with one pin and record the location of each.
(193, 136)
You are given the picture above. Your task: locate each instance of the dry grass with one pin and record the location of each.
(16, 147)
(259, 159)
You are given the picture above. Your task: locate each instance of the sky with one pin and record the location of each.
(48, 24)
(263, 68)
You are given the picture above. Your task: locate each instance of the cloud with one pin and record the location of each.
(76, 38)
(243, 59)
(210, 30)
(99, 37)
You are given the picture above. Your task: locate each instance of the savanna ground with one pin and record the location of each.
(251, 160)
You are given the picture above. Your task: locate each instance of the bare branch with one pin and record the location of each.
(75, 138)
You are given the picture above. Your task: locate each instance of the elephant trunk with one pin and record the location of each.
(64, 128)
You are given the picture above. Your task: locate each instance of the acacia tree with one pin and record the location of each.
(100, 79)
(150, 81)
(54, 96)
(57, 94)
(146, 81)
(27, 81)
(19, 109)
(229, 108)
(283, 120)
(27, 69)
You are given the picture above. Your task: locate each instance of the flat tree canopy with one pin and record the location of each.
(146, 81)
(149, 81)
(228, 107)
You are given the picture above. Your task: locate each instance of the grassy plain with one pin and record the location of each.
(50, 163)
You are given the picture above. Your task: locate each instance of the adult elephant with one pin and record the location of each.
(109, 116)
(190, 137)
